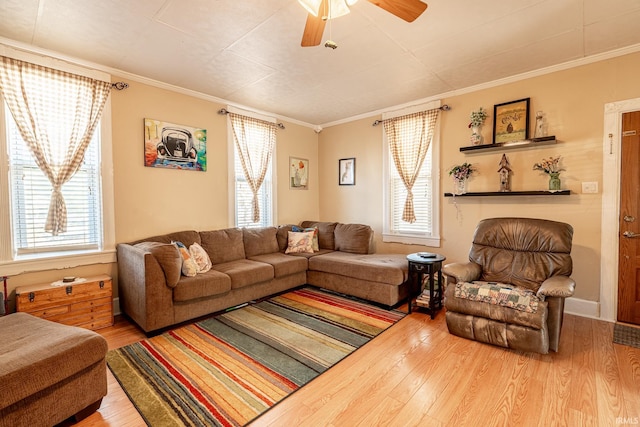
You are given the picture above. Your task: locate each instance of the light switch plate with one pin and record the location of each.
(590, 187)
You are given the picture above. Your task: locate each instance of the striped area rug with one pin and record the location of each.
(228, 369)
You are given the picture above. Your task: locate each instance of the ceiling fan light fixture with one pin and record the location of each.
(337, 8)
(311, 6)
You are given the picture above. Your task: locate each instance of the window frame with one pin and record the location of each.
(231, 149)
(12, 264)
(388, 235)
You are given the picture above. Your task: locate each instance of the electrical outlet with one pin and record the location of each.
(590, 187)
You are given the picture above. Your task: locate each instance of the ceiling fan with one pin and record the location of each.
(320, 11)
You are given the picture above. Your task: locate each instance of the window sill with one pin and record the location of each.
(49, 262)
(411, 240)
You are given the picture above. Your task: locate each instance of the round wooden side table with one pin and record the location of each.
(421, 264)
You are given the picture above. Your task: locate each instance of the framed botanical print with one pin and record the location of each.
(298, 173)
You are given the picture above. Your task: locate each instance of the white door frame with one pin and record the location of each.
(611, 159)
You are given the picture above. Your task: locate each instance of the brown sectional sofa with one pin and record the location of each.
(249, 264)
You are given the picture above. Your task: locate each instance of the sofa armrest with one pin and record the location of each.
(142, 288)
(462, 272)
(557, 286)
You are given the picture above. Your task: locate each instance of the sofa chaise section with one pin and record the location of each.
(354, 269)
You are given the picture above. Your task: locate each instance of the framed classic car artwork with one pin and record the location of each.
(172, 146)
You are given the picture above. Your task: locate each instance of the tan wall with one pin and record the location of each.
(151, 201)
(573, 102)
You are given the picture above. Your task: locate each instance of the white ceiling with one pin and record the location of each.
(248, 51)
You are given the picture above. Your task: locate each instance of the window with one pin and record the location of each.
(257, 141)
(425, 229)
(244, 198)
(31, 193)
(25, 192)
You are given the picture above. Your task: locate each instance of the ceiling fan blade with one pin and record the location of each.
(408, 10)
(314, 28)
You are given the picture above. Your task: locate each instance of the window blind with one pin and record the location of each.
(244, 197)
(31, 193)
(422, 200)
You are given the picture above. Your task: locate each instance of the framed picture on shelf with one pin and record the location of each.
(511, 121)
(347, 171)
(298, 173)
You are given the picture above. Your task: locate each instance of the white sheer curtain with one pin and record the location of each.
(409, 138)
(254, 139)
(56, 113)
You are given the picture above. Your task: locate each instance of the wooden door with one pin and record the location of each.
(629, 246)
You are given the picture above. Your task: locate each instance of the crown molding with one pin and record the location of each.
(503, 81)
(141, 79)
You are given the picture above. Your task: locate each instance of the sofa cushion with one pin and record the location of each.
(203, 285)
(283, 265)
(312, 254)
(300, 242)
(495, 312)
(259, 241)
(326, 239)
(188, 237)
(283, 236)
(353, 238)
(223, 245)
(383, 268)
(168, 257)
(245, 272)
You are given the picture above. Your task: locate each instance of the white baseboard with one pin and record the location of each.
(583, 308)
(116, 306)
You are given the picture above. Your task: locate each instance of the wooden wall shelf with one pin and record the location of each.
(511, 193)
(535, 142)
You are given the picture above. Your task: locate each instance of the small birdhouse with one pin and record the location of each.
(505, 174)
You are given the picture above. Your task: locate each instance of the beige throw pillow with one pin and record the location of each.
(189, 267)
(300, 242)
(201, 258)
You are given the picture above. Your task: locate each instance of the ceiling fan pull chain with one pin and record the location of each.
(330, 43)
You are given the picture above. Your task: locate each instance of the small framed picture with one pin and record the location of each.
(298, 173)
(511, 121)
(347, 171)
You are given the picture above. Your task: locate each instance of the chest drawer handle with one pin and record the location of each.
(32, 296)
(69, 289)
(101, 284)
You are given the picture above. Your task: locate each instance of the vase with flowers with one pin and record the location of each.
(477, 119)
(460, 174)
(551, 167)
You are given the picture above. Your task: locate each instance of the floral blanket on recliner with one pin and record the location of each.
(498, 294)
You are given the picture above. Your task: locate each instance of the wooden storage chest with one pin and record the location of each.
(88, 304)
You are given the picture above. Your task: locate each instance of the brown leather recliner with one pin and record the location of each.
(523, 254)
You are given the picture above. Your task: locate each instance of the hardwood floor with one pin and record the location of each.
(416, 373)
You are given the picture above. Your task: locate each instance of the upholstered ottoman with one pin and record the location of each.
(48, 371)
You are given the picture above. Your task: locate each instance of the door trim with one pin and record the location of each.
(611, 147)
